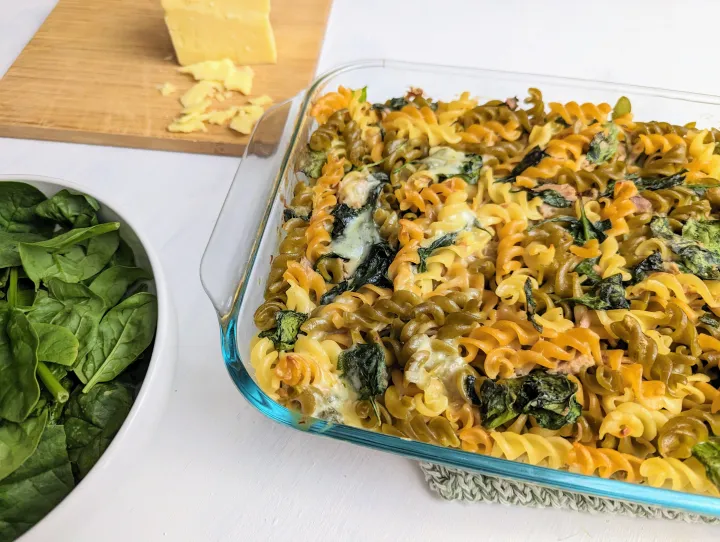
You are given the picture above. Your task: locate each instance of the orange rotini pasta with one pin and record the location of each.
(539, 284)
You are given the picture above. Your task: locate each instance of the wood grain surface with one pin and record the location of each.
(91, 75)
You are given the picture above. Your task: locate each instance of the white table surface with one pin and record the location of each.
(218, 470)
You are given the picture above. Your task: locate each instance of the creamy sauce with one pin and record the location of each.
(440, 365)
(444, 161)
(355, 242)
(355, 189)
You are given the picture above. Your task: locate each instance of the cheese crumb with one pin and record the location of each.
(262, 100)
(221, 116)
(247, 117)
(200, 91)
(241, 80)
(212, 70)
(167, 89)
(198, 108)
(187, 124)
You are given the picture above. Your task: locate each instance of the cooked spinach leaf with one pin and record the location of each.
(286, 330)
(470, 391)
(291, 213)
(532, 158)
(709, 319)
(651, 264)
(68, 209)
(549, 398)
(587, 268)
(372, 270)
(548, 196)
(441, 242)
(697, 259)
(660, 183)
(343, 215)
(312, 163)
(604, 145)
(470, 168)
(33, 490)
(363, 366)
(708, 453)
(499, 402)
(530, 305)
(607, 294)
(581, 228)
(91, 421)
(393, 104)
(124, 333)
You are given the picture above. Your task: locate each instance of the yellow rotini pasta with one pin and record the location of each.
(535, 284)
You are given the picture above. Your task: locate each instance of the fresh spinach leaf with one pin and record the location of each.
(124, 333)
(92, 420)
(9, 256)
(550, 399)
(587, 268)
(286, 330)
(532, 158)
(548, 196)
(312, 163)
(18, 441)
(653, 263)
(68, 209)
(73, 306)
(372, 270)
(363, 366)
(607, 294)
(441, 242)
(123, 256)
(56, 344)
(17, 209)
(39, 485)
(112, 283)
(603, 145)
(19, 388)
(708, 453)
(531, 305)
(67, 257)
(622, 107)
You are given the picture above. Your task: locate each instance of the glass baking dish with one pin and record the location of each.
(237, 259)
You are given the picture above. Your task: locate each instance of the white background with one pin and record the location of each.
(217, 470)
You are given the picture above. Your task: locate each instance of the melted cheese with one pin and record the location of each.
(444, 161)
(356, 187)
(355, 242)
(439, 365)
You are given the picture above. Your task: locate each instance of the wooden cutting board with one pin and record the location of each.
(91, 75)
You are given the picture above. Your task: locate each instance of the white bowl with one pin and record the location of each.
(154, 392)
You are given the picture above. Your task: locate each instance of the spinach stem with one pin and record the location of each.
(52, 384)
(12, 289)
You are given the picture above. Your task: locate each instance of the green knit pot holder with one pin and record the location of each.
(453, 484)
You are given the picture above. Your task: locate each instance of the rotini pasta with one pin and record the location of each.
(535, 284)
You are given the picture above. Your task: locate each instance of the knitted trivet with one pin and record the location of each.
(454, 484)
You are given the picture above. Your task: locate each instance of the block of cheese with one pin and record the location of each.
(217, 29)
